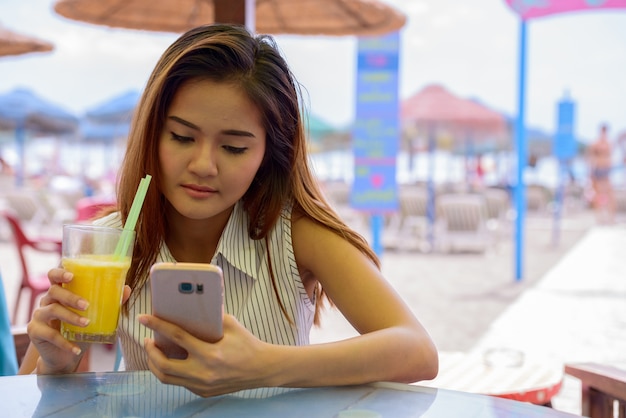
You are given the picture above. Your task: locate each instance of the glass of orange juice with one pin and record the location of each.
(89, 253)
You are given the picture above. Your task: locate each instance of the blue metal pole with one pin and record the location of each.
(558, 203)
(377, 228)
(430, 207)
(522, 157)
(20, 137)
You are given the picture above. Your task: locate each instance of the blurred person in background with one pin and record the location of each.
(599, 157)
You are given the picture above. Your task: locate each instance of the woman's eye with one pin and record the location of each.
(234, 150)
(181, 138)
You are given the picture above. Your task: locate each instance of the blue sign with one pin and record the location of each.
(564, 141)
(376, 130)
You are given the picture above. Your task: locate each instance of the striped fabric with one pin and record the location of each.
(248, 292)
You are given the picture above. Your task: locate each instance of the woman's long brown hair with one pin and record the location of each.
(229, 54)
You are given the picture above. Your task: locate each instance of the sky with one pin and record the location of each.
(471, 47)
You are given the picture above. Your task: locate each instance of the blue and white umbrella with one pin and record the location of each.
(23, 111)
(111, 119)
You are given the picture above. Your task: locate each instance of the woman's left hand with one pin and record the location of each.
(231, 364)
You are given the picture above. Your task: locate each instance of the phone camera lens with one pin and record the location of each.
(185, 287)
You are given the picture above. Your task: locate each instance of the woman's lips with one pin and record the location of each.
(196, 191)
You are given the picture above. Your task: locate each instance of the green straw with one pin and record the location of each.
(131, 221)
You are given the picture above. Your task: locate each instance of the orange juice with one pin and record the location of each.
(99, 279)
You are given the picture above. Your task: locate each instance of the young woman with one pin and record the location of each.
(220, 129)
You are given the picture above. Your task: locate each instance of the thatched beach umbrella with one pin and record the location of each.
(302, 17)
(433, 109)
(13, 43)
(438, 107)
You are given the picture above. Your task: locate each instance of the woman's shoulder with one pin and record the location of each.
(307, 232)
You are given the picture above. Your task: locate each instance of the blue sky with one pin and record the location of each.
(470, 46)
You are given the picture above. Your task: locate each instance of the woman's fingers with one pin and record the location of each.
(126, 293)
(53, 308)
(40, 332)
(173, 332)
(59, 275)
(54, 312)
(157, 361)
(57, 354)
(57, 294)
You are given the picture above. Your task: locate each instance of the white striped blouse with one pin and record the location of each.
(248, 291)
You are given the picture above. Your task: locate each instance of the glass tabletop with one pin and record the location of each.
(140, 394)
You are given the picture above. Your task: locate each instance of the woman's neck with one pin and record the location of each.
(194, 241)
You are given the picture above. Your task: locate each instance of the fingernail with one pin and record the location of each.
(68, 276)
(84, 321)
(82, 304)
(142, 319)
(77, 351)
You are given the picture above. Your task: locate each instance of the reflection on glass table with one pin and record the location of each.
(140, 394)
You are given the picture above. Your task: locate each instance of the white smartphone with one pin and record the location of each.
(190, 295)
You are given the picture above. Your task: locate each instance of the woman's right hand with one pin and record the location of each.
(56, 354)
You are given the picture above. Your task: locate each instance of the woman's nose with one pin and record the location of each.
(204, 163)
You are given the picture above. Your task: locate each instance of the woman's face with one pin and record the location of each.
(210, 149)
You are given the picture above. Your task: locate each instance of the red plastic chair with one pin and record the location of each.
(36, 284)
(88, 208)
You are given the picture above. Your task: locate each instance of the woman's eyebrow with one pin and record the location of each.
(184, 122)
(233, 132)
(236, 132)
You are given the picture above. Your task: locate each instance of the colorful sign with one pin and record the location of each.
(376, 131)
(530, 9)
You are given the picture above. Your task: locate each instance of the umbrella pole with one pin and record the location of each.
(430, 209)
(250, 15)
(240, 12)
(522, 159)
(558, 202)
(230, 11)
(377, 223)
(20, 137)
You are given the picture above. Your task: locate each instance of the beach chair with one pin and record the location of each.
(57, 208)
(462, 222)
(498, 204)
(36, 284)
(27, 207)
(573, 198)
(538, 199)
(410, 226)
(338, 195)
(603, 389)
